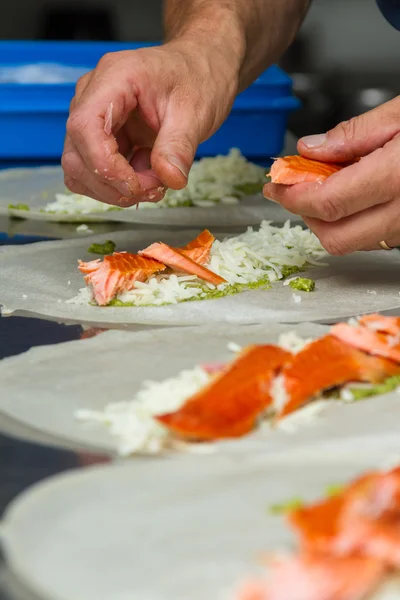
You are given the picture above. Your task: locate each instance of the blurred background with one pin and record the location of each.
(343, 62)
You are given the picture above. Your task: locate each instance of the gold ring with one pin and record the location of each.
(385, 246)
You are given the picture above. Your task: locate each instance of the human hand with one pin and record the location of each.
(359, 206)
(136, 121)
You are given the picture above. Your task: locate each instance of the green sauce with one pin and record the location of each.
(18, 207)
(303, 284)
(249, 189)
(334, 490)
(207, 294)
(287, 271)
(286, 507)
(388, 385)
(107, 248)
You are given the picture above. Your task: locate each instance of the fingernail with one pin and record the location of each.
(314, 141)
(176, 162)
(125, 189)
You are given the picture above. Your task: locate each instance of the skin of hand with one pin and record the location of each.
(137, 119)
(359, 206)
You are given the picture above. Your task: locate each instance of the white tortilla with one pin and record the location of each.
(43, 388)
(37, 187)
(34, 281)
(160, 531)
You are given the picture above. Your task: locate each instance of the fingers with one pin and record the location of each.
(372, 181)
(80, 180)
(175, 147)
(354, 138)
(362, 231)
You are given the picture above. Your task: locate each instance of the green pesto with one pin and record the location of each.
(208, 294)
(390, 384)
(250, 188)
(334, 490)
(286, 507)
(288, 270)
(303, 284)
(18, 207)
(107, 248)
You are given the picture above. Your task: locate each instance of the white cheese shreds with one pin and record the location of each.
(279, 394)
(83, 229)
(346, 395)
(132, 422)
(244, 259)
(292, 342)
(302, 417)
(297, 298)
(234, 347)
(220, 179)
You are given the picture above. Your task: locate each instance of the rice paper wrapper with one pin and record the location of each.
(40, 279)
(203, 530)
(43, 388)
(37, 187)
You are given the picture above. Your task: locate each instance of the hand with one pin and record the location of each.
(136, 121)
(359, 206)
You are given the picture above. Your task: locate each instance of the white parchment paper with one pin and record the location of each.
(42, 388)
(37, 187)
(160, 531)
(40, 278)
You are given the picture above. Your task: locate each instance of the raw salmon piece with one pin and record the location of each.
(370, 518)
(199, 248)
(231, 403)
(367, 340)
(290, 170)
(376, 322)
(176, 260)
(319, 577)
(326, 363)
(318, 525)
(117, 273)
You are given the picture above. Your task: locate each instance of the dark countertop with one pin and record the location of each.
(22, 462)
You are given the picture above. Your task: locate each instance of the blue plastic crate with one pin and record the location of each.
(33, 115)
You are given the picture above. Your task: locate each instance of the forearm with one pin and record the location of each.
(252, 34)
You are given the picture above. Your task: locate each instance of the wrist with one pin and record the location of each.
(218, 37)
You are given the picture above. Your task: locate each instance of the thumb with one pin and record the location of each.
(354, 138)
(175, 148)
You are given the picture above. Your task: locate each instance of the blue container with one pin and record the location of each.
(33, 115)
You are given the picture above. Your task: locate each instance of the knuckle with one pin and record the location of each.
(71, 165)
(349, 129)
(330, 209)
(107, 60)
(334, 245)
(71, 184)
(76, 123)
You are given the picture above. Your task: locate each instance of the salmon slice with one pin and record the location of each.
(326, 363)
(231, 403)
(370, 519)
(318, 525)
(376, 322)
(290, 170)
(199, 248)
(316, 577)
(176, 260)
(117, 273)
(368, 340)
